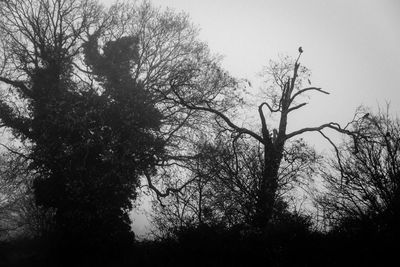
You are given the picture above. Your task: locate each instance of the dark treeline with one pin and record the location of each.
(100, 105)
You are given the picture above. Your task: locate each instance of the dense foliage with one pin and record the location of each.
(89, 143)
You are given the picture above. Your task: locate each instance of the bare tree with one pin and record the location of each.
(284, 93)
(19, 213)
(226, 184)
(363, 181)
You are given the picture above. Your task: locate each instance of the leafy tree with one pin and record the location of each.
(90, 139)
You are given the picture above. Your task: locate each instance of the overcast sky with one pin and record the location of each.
(352, 47)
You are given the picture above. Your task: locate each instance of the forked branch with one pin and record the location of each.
(306, 90)
(168, 191)
(19, 84)
(219, 114)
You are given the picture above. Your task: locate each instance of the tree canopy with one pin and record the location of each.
(89, 141)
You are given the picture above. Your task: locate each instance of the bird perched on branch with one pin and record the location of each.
(366, 115)
(300, 50)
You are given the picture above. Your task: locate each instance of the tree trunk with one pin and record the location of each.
(268, 186)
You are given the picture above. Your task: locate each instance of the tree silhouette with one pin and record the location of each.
(363, 183)
(90, 139)
(226, 183)
(282, 99)
(171, 53)
(19, 213)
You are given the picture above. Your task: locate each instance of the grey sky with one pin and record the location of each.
(352, 47)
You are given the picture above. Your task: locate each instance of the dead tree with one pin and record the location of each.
(288, 90)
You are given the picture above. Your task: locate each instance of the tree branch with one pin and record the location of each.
(332, 125)
(9, 119)
(168, 191)
(18, 84)
(305, 90)
(337, 155)
(269, 107)
(264, 128)
(221, 115)
(296, 107)
(15, 152)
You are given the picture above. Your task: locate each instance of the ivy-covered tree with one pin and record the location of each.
(90, 139)
(171, 54)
